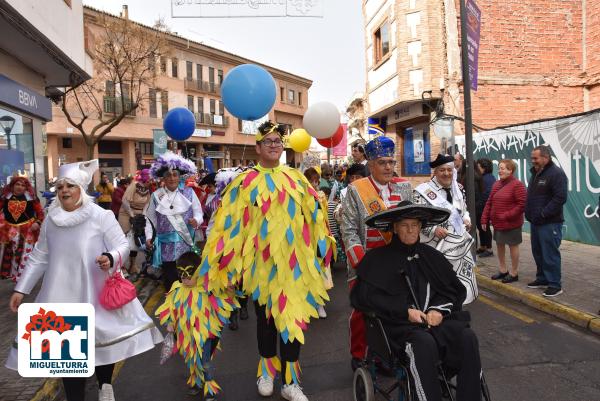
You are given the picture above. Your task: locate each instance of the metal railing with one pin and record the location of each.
(202, 86)
(114, 105)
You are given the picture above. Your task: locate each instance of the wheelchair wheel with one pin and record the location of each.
(363, 385)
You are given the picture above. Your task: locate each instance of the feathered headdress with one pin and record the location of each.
(225, 176)
(169, 161)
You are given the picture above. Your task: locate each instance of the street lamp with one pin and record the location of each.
(7, 123)
(443, 128)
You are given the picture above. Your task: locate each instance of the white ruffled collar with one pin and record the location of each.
(62, 218)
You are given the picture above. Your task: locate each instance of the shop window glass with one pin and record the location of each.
(16, 145)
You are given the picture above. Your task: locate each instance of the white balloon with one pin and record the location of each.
(321, 120)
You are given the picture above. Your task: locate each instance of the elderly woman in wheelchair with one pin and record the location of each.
(415, 326)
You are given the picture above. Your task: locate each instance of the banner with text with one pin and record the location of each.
(473, 28)
(575, 146)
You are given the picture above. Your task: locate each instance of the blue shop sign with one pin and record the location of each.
(25, 99)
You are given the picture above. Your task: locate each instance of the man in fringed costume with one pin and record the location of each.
(365, 196)
(270, 231)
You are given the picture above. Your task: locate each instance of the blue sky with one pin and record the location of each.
(328, 50)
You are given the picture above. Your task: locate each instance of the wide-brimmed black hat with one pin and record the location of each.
(428, 215)
(441, 159)
(209, 179)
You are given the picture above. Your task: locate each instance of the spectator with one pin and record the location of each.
(106, 189)
(482, 193)
(504, 208)
(461, 168)
(546, 196)
(117, 196)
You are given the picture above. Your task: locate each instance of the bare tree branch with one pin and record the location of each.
(124, 56)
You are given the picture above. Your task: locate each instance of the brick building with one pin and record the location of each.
(190, 77)
(537, 59)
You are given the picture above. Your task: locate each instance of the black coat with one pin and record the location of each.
(382, 289)
(546, 195)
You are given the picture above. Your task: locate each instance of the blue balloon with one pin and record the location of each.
(248, 92)
(179, 123)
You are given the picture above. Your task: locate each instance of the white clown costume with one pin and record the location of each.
(65, 255)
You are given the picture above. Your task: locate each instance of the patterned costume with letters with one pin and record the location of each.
(363, 198)
(456, 247)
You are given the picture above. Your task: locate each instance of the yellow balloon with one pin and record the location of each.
(299, 140)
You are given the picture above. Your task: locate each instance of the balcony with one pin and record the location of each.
(212, 120)
(113, 105)
(202, 86)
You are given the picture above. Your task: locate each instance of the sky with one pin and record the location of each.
(328, 50)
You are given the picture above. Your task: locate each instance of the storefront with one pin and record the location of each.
(23, 114)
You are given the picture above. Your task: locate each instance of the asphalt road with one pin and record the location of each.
(526, 356)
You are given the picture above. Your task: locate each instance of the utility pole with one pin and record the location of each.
(470, 182)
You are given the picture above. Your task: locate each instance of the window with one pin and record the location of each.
(291, 96)
(199, 72)
(174, 67)
(109, 147)
(109, 89)
(163, 65)
(382, 41)
(152, 102)
(200, 105)
(147, 148)
(67, 143)
(221, 109)
(189, 67)
(152, 62)
(164, 103)
(211, 75)
(299, 98)
(281, 94)
(212, 106)
(190, 103)
(220, 75)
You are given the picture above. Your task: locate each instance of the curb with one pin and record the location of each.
(52, 390)
(582, 319)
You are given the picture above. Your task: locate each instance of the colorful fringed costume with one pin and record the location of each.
(272, 231)
(197, 318)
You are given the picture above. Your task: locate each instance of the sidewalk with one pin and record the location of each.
(580, 301)
(16, 388)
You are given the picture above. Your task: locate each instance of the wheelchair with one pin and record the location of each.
(380, 358)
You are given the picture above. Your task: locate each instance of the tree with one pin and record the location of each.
(124, 56)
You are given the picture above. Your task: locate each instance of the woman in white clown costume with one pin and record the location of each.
(79, 243)
(271, 231)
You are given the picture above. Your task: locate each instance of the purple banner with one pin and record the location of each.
(473, 26)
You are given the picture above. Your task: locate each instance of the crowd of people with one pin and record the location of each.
(268, 235)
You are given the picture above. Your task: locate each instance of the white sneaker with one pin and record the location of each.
(106, 393)
(265, 386)
(293, 392)
(321, 312)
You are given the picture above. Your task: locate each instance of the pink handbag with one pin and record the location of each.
(117, 291)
